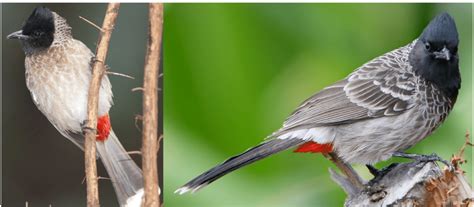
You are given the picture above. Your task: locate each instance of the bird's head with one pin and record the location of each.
(440, 39)
(435, 54)
(38, 32)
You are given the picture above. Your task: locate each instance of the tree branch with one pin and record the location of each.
(98, 70)
(150, 143)
(412, 184)
(352, 176)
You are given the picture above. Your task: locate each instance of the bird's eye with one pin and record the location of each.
(427, 46)
(455, 50)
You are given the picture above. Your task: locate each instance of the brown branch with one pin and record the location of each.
(98, 70)
(119, 74)
(150, 143)
(137, 89)
(91, 23)
(346, 169)
(134, 152)
(412, 184)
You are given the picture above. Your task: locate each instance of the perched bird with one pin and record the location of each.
(381, 109)
(58, 74)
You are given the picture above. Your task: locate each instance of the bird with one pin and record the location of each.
(58, 73)
(382, 108)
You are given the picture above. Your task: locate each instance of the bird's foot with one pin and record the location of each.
(379, 174)
(424, 158)
(94, 60)
(374, 171)
(86, 129)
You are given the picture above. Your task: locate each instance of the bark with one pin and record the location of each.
(150, 145)
(411, 184)
(98, 70)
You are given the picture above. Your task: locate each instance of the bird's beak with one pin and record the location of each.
(443, 54)
(17, 35)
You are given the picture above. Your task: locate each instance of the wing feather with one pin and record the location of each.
(384, 86)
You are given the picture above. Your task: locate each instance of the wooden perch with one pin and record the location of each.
(352, 177)
(150, 145)
(411, 184)
(98, 70)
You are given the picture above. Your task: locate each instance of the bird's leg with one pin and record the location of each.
(374, 171)
(380, 173)
(423, 158)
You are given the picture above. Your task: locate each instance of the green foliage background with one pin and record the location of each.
(233, 72)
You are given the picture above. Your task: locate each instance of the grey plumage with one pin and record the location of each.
(127, 177)
(382, 87)
(385, 106)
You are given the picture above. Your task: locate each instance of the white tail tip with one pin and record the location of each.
(135, 200)
(182, 190)
(186, 189)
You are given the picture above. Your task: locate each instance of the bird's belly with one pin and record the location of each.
(62, 97)
(374, 140)
(59, 80)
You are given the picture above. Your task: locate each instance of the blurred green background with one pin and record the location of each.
(234, 72)
(39, 165)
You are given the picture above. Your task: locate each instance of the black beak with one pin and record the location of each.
(443, 54)
(17, 35)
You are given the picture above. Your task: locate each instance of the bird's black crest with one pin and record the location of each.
(40, 27)
(440, 33)
(442, 29)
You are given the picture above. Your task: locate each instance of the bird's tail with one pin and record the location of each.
(126, 176)
(251, 155)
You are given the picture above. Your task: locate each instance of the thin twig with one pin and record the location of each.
(466, 143)
(137, 89)
(91, 23)
(98, 70)
(119, 74)
(352, 176)
(150, 143)
(134, 152)
(103, 178)
(138, 117)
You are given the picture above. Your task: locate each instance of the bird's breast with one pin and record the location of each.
(58, 79)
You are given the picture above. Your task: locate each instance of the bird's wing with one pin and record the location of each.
(382, 87)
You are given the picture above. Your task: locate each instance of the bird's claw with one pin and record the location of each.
(94, 60)
(425, 158)
(86, 129)
(379, 174)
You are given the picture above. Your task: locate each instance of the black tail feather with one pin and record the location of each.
(259, 152)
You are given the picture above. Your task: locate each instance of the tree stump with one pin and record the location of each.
(410, 184)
